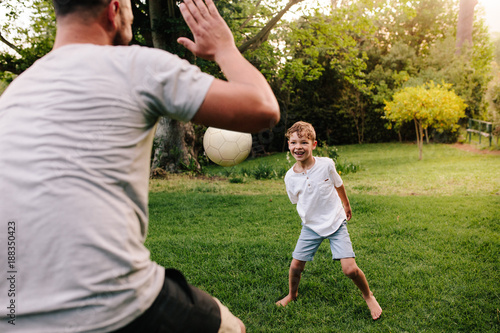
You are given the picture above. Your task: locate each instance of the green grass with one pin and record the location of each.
(395, 169)
(432, 258)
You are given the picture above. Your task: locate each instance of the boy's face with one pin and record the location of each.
(301, 147)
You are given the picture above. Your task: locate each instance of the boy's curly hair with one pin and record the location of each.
(302, 129)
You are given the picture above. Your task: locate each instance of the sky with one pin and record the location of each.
(492, 14)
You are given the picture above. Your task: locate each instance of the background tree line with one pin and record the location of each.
(335, 67)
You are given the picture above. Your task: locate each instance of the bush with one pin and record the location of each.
(325, 150)
(275, 167)
(333, 153)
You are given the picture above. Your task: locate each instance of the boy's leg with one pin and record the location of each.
(341, 246)
(307, 245)
(296, 269)
(352, 271)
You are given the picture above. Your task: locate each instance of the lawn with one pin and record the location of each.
(426, 234)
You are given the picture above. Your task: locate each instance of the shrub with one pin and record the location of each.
(275, 167)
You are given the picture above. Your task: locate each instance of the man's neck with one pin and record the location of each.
(74, 31)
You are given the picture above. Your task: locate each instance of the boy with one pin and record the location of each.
(317, 189)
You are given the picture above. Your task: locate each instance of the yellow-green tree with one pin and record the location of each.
(429, 105)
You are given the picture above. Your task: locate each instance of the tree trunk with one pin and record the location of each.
(174, 145)
(174, 148)
(420, 138)
(421, 148)
(465, 23)
(354, 105)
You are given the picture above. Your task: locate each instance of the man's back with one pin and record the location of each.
(76, 132)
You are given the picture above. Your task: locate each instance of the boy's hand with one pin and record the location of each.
(348, 212)
(212, 36)
(345, 201)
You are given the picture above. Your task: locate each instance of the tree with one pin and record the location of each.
(465, 23)
(335, 66)
(157, 23)
(26, 44)
(430, 105)
(469, 71)
(353, 102)
(321, 57)
(175, 142)
(496, 46)
(263, 34)
(403, 57)
(416, 23)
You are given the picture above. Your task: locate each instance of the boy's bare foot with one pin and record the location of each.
(284, 301)
(373, 305)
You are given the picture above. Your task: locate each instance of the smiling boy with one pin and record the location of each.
(314, 185)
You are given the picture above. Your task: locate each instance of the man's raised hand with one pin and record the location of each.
(212, 36)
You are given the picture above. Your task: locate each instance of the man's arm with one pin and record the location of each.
(345, 201)
(245, 102)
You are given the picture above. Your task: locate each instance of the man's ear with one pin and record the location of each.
(315, 143)
(113, 13)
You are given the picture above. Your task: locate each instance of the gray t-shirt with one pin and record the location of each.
(76, 132)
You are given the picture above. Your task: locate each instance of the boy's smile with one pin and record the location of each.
(301, 148)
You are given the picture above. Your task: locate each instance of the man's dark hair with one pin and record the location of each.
(64, 7)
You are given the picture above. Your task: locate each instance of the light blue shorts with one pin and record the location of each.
(309, 242)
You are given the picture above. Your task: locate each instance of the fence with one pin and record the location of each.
(481, 128)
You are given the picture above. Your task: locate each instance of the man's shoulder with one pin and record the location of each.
(123, 52)
(139, 52)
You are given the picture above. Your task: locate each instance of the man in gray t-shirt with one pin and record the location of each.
(76, 132)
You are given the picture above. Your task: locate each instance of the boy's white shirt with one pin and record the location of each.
(314, 193)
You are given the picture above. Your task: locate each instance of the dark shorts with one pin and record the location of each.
(179, 307)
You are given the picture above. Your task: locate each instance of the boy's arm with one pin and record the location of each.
(345, 201)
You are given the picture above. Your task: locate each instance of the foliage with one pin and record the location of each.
(340, 86)
(405, 64)
(429, 105)
(496, 95)
(323, 149)
(496, 46)
(493, 93)
(28, 43)
(317, 42)
(419, 23)
(271, 167)
(469, 71)
(320, 55)
(332, 67)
